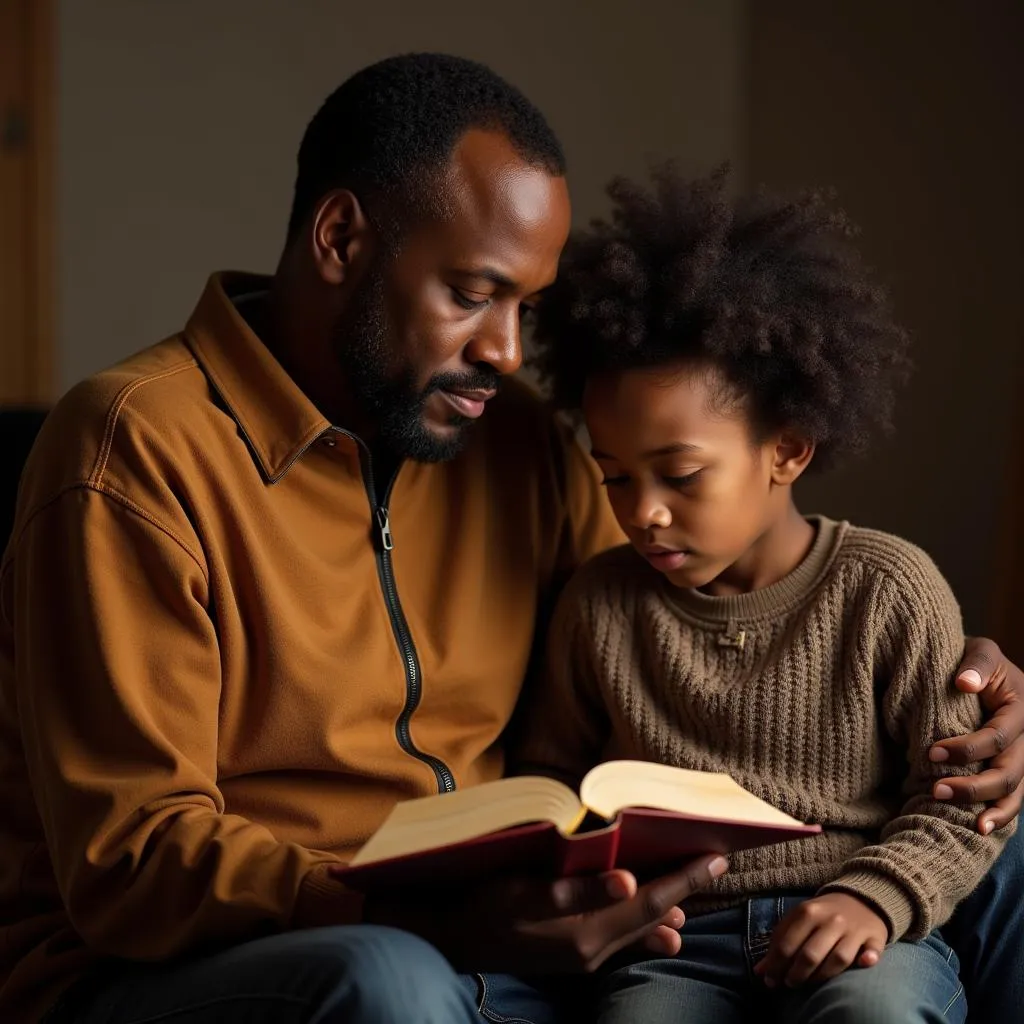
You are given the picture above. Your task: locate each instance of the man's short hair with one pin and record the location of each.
(388, 131)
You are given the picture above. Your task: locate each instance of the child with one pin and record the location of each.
(718, 350)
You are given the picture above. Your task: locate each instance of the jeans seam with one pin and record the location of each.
(484, 1010)
(956, 995)
(752, 944)
(500, 1018)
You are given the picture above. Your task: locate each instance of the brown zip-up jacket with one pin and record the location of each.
(222, 661)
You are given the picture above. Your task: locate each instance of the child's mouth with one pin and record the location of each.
(665, 559)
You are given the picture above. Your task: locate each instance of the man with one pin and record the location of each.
(272, 575)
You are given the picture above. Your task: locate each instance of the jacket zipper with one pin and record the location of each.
(399, 626)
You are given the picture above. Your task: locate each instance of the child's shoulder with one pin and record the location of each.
(884, 561)
(618, 567)
(886, 553)
(608, 579)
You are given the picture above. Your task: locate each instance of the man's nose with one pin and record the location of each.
(498, 340)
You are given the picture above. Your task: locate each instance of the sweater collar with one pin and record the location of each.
(779, 598)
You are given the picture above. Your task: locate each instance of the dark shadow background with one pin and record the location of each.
(177, 126)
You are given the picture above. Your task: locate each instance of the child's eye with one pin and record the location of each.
(614, 481)
(683, 481)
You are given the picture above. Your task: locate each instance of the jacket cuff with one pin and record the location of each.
(323, 900)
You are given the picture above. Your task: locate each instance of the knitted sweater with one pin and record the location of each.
(820, 694)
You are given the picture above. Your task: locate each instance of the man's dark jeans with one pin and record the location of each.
(368, 975)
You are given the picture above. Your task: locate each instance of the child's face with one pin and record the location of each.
(689, 484)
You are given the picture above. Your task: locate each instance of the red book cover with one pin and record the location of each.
(639, 840)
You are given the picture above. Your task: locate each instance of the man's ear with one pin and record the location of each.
(341, 233)
(792, 455)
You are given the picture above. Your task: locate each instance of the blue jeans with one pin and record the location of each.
(360, 974)
(712, 980)
(987, 932)
(362, 968)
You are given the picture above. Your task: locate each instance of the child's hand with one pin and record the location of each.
(821, 938)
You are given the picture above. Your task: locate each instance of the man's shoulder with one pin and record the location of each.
(521, 430)
(158, 393)
(518, 404)
(527, 455)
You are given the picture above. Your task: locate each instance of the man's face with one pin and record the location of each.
(431, 329)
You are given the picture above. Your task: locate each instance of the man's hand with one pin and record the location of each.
(821, 938)
(526, 926)
(1000, 686)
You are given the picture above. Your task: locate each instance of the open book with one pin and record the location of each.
(650, 816)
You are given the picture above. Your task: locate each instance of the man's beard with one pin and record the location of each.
(391, 400)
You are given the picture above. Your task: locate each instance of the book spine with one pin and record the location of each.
(616, 841)
(589, 853)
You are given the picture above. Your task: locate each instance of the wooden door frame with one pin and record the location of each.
(34, 360)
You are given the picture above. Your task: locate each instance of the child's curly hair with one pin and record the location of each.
(769, 292)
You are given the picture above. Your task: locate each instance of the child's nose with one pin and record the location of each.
(648, 511)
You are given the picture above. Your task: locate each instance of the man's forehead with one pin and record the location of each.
(489, 185)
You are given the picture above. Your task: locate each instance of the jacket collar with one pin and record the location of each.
(275, 416)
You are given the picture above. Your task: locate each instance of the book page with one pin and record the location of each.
(617, 785)
(448, 818)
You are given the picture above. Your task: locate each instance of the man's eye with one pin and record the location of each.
(466, 302)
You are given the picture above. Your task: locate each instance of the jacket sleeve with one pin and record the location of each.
(581, 525)
(930, 856)
(117, 682)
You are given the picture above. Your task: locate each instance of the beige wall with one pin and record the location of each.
(912, 110)
(179, 122)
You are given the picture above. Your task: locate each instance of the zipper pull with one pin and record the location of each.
(384, 525)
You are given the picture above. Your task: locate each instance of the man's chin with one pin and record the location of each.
(435, 442)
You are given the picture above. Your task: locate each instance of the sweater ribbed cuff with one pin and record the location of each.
(883, 894)
(323, 900)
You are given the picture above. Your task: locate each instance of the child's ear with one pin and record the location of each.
(792, 455)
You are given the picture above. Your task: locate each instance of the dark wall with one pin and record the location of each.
(913, 111)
